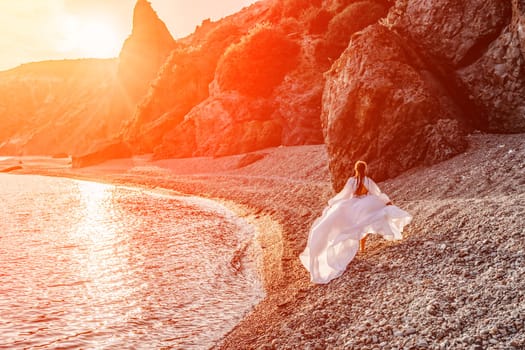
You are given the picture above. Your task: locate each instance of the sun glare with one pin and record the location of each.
(93, 37)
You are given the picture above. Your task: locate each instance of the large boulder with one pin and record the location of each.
(449, 30)
(496, 80)
(353, 18)
(382, 104)
(479, 45)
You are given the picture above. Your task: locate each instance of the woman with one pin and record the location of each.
(359, 209)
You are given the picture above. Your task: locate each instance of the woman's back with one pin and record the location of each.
(361, 189)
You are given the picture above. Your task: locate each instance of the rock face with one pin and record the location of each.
(72, 106)
(237, 117)
(181, 85)
(144, 51)
(215, 94)
(140, 59)
(382, 104)
(396, 83)
(348, 20)
(210, 128)
(480, 45)
(54, 107)
(247, 85)
(496, 80)
(405, 91)
(448, 30)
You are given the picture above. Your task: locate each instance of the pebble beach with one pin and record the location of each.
(456, 280)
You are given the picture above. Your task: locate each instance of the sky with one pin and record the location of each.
(37, 30)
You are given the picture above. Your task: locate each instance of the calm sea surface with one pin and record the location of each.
(89, 265)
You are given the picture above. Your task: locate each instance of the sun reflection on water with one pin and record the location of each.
(90, 265)
(103, 257)
(96, 201)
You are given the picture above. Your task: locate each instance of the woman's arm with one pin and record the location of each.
(346, 193)
(374, 189)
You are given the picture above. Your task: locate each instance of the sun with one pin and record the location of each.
(98, 39)
(90, 37)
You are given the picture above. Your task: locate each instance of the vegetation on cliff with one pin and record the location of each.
(381, 80)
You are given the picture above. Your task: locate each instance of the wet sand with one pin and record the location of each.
(457, 280)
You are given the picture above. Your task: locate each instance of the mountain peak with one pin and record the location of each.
(144, 51)
(147, 24)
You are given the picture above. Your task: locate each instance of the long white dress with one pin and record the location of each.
(333, 240)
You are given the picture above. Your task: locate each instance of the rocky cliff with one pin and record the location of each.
(479, 46)
(250, 81)
(54, 107)
(78, 107)
(406, 90)
(141, 56)
(382, 104)
(396, 83)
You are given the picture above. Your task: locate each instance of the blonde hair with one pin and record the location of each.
(360, 173)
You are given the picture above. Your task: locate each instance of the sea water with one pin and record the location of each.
(90, 265)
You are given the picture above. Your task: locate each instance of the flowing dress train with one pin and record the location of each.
(334, 237)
